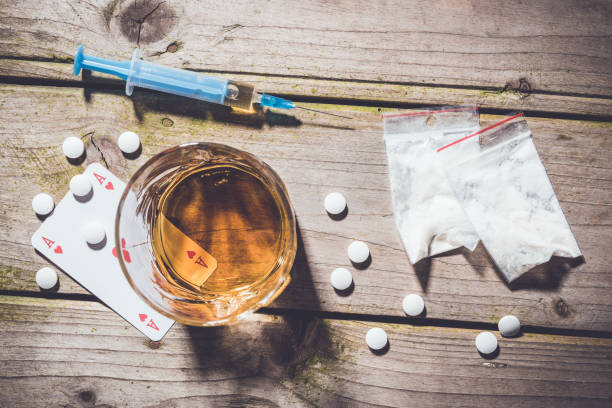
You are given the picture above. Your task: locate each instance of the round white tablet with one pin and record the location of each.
(358, 252)
(42, 204)
(413, 305)
(128, 142)
(80, 185)
(335, 203)
(93, 232)
(341, 278)
(486, 342)
(376, 338)
(509, 326)
(46, 278)
(73, 147)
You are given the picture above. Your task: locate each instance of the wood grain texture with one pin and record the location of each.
(74, 353)
(556, 47)
(316, 154)
(348, 91)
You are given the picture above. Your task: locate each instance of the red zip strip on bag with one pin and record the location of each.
(480, 131)
(428, 112)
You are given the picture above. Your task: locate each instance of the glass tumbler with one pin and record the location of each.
(206, 233)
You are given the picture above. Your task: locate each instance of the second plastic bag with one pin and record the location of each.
(505, 191)
(427, 214)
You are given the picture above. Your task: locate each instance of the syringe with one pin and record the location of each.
(140, 73)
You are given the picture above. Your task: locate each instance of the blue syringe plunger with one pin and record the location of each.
(118, 68)
(139, 73)
(78, 61)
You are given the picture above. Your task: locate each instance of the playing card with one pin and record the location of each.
(190, 261)
(60, 240)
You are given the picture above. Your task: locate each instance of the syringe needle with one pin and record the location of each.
(325, 113)
(281, 103)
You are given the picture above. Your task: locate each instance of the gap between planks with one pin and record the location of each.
(342, 316)
(351, 92)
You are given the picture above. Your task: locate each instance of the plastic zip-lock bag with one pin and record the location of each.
(427, 214)
(505, 191)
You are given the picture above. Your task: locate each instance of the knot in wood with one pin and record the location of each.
(561, 308)
(524, 88)
(147, 21)
(87, 396)
(174, 47)
(154, 345)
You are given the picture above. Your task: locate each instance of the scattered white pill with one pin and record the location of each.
(335, 203)
(413, 305)
(128, 142)
(94, 233)
(376, 338)
(486, 342)
(46, 278)
(80, 185)
(509, 326)
(73, 147)
(341, 278)
(358, 252)
(42, 204)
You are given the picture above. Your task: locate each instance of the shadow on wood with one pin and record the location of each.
(276, 350)
(151, 101)
(422, 270)
(300, 293)
(548, 276)
(282, 353)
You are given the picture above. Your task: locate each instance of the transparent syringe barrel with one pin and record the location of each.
(175, 81)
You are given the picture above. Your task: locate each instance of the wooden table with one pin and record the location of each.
(551, 59)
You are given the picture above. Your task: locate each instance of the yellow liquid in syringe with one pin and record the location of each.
(240, 96)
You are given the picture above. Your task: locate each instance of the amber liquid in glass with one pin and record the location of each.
(217, 230)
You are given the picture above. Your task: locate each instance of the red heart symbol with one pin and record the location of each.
(109, 186)
(58, 250)
(190, 254)
(126, 256)
(142, 317)
(124, 252)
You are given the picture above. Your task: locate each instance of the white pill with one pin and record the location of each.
(358, 252)
(341, 278)
(80, 185)
(413, 305)
(42, 204)
(46, 278)
(376, 338)
(509, 326)
(73, 147)
(486, 342)
(128, 142)
(335, 203)
(93, 232)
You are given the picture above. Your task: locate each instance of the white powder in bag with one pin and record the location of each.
(505, 191)
(428, 216)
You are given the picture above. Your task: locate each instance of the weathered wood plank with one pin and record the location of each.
(12, 70)
(320, 155)
(71, 353)
(557, 47)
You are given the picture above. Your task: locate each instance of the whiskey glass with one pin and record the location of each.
(165, 268)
